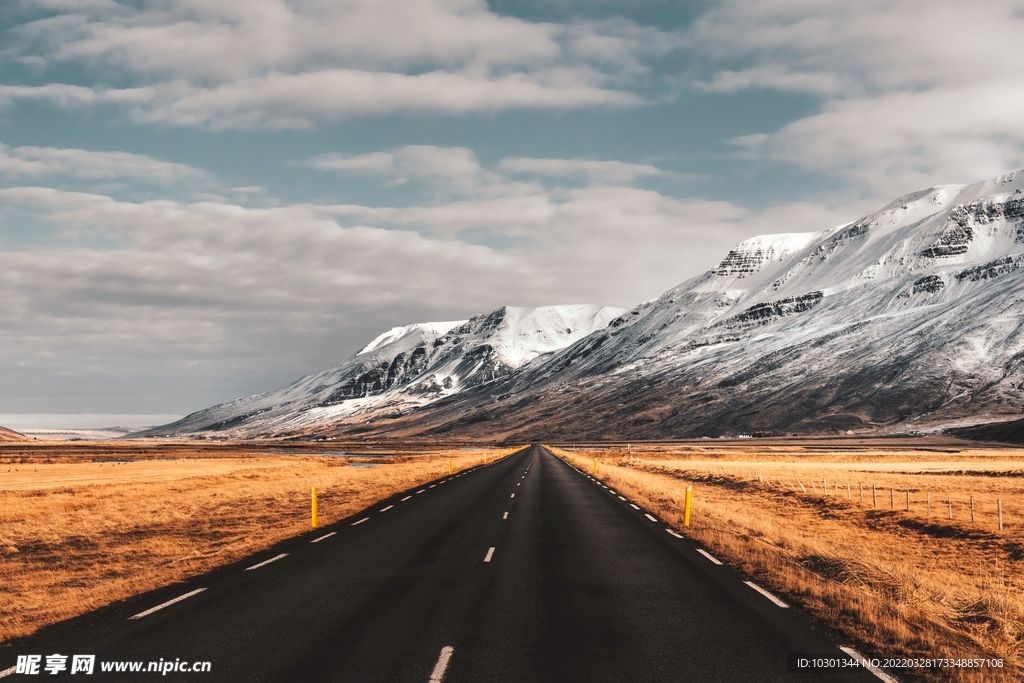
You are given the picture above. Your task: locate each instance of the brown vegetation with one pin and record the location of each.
(897, 582)
(87, 525)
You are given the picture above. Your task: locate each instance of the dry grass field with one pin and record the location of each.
(896, 581)
(85, 525)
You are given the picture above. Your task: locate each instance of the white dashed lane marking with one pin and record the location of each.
(364, 519)
(868, 665)
(709, 556)
(673, 532)
(405, 499)
(635, 507)
(505, 516)
(8, 672)
(513, 495)
(317, 540)
(387, 508)
(490, 554)
(621, 498)
(437, 675)
(766, 594)
(650, 517)
(167, 604)
(266, 562)
(421, 491)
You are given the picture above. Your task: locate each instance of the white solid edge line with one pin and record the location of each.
(766, 594)
(317, 540)
(167, 604)
(8, 672)
(405, 499)
(650, 517)
(437, 675)
(709, 556)
(387, 508)
(673, 532)
(490, 554)
(273, 559)
(364, 519)
(635, 507)
(868, 665)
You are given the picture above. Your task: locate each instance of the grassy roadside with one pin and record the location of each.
(77, 535)
(897, 582)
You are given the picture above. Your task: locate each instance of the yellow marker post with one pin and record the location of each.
(595, 465)
(449, 467)
(574, 459)
(313, 506)
(686, 506)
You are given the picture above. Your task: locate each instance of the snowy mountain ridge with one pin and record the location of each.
(911, 317)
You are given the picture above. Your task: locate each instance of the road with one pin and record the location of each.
(522, 570)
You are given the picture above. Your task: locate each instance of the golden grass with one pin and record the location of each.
(900, 583)
(76, 535)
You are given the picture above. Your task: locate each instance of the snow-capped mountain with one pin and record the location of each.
(405, 368)
(911, 317)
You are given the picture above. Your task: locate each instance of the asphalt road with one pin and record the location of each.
(523, 570)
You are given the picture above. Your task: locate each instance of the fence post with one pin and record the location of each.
(848, 490)
(874, 497)
(999, 506)
(972, 509)
(908, 500)
(313, 506)
(860, 487)
(892, 500)
(949, 504)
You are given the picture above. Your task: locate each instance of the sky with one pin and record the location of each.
(206, 199)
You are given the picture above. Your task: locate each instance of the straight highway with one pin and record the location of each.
(522, 570)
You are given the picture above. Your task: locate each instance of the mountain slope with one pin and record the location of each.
(911, 317)
(405, 368)
(908, 318)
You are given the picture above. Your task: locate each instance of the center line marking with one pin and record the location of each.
(633, 506)
(273, 559)
(387, 508)
(167, 604)
(650, 517)
(317, 540)
(505, 516)
(364, 519)
(437, 675)
(766, 594)
(709, 556)
(405, 499)
(490, 554)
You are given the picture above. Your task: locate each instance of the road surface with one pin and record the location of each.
(522, 570)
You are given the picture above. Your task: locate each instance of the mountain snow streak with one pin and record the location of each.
(908, 318)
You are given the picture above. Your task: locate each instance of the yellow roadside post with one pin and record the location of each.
(573, 458)
(449, 467)
(595, 466)
(313, 506)
(686, 506)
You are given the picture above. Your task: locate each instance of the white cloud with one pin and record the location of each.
(34, 162)
(271, 63)
(915, 93)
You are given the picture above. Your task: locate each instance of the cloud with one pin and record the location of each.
(34, 162)
(452, 167)
(913, 93)
(270, 63)
(614, 172)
